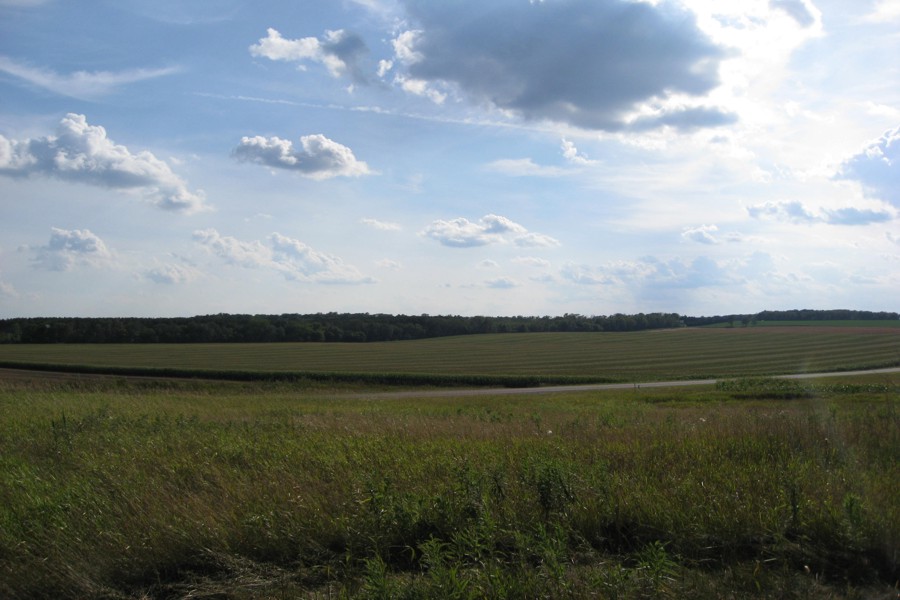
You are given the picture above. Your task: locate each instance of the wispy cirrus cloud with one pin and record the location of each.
(84, 85)
(83, 153)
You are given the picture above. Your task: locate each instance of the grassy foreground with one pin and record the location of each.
(755, 488)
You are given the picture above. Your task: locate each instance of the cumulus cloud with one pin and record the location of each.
(70, 248)
(705, 234)
(83, 85)
(587, 63)
(340, 51)
(796, 212)
(651, 272)
(83, 153)
(572, 155)
(490, 229)
(317, 157)
(581, 274)
(877, 167)
(172, 274)
(290, 257)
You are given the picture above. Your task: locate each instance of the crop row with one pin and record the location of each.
(685, 353)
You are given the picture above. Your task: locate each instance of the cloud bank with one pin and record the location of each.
(317, 157)
(587, 63)
(83, 153)
(290, 257)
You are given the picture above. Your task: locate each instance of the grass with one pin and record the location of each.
(754, 488)
(638, 356)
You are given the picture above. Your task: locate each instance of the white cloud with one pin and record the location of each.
(420, 87)
(386, 263)
(70, 248)
(172, 274)
(796, 212)
(877, 167)
(381, 225)
(290, 257)
(83, 153)
(524, 167)
(339, 51)
(884, 11)
(532, 261)
(603, 59)
(581, 274)
(502, 283)
(317, 158)
(536, 240)
(404, 46)
(233, 251)
(490, 229)
(571, 154)
(705, 234)
(83, 85)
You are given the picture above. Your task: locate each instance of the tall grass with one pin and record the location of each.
(111, 489)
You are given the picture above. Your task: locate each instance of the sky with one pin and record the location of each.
(462, 157)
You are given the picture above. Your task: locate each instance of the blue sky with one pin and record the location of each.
(509, 157)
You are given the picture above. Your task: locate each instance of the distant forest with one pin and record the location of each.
(363, 327)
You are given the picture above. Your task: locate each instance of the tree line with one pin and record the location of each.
(805, 314)
(320, 327)
(358, 327)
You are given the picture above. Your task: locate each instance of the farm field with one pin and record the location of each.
(639, 356)
(754, 488)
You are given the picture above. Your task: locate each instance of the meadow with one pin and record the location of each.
(115, 487)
